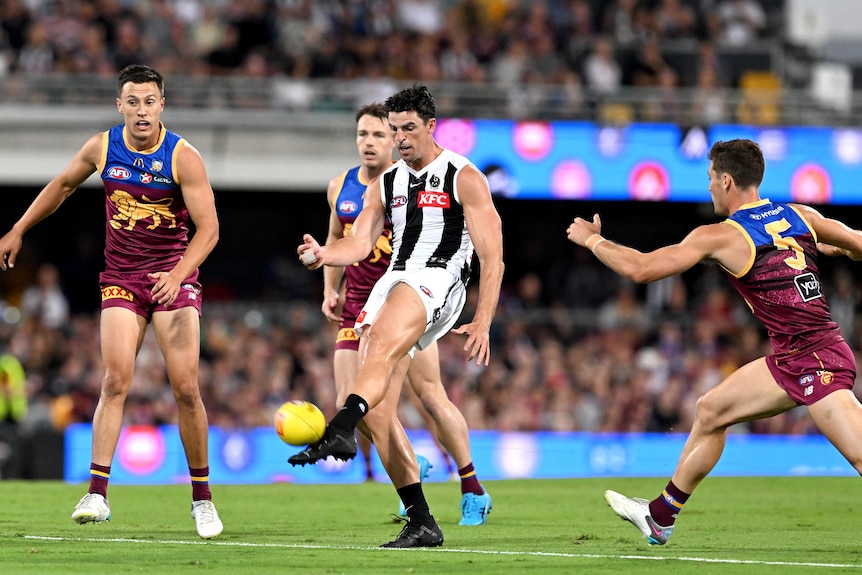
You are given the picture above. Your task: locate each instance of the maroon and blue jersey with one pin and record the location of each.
(781, 282)
(147, 220)
(361, 276)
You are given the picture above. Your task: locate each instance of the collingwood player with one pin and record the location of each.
(441, 211)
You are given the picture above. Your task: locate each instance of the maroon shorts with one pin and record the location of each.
(809, 377)
(132, 291)
(347, 337)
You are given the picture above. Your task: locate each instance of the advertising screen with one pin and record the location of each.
(652, 162)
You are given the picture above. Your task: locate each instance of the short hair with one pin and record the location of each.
(740, 158)
(377, 110)
(140, 74)
(415, 99)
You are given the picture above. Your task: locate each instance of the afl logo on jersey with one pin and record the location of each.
(146, 178)
(119, 173)
(347, 207)
(399, 201)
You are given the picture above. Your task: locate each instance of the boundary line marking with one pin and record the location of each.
(442, 550)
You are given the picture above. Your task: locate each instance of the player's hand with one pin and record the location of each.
(330, 304)
(309, 252)
(580, 230)
(10, 245)
(478, 342)
(166, 290)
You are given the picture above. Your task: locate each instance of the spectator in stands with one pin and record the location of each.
(228, 56)
(618, 21)
(92, 56)
(37, 55)
(742, 21)
(45, 301)
(423, 17)
(602, 73)
(675, 19)
(457, 61)
(648, 66)
(128, 46)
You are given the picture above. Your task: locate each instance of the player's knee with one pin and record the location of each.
(187, 395)
(707, 414)
(115, 384)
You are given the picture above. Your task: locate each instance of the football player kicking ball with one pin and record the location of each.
(440, 207)
(375, 143)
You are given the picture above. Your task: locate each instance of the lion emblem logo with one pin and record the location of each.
(132, 211)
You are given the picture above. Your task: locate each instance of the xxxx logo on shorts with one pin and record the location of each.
(346, 334)
(116, 292)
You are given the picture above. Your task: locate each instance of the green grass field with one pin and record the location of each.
(731, 525)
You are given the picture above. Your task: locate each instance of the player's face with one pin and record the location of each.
(374, 142)
(141, 105)
(717, 191)
(413, 137)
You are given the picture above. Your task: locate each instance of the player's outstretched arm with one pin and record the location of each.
(834, 238)
(82, 165)
(720, 242)
(486, 231)
(357, 244)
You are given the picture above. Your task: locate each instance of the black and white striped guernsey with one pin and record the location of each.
(428, 223)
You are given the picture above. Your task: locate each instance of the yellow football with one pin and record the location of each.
(299, 423)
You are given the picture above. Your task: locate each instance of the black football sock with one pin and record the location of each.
(414, 502)
(348, 416)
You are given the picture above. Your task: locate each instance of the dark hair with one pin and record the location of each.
(741, 159)
(416, 99)
(140, 74)
(376, 110)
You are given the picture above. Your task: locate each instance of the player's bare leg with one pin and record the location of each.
(178, 336)
(121, 334)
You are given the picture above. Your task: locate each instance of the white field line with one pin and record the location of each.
(447, 550)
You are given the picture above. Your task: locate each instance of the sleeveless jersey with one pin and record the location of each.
(147, 220)
(781, 282)
(361, 276)
(428, 223)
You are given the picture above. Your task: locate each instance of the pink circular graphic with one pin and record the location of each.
(572, 180)
(457, 135)
(649, 181)
(811, 184)
(141, 449)
(533, 140)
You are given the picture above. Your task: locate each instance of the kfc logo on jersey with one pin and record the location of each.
(347, 207)
(119, 173)
(146, 178)
(428, 199)
(398, 201)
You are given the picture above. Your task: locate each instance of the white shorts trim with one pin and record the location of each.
(442, 293)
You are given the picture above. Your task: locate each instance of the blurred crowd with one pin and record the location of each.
(574, 349)
(597, 46)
